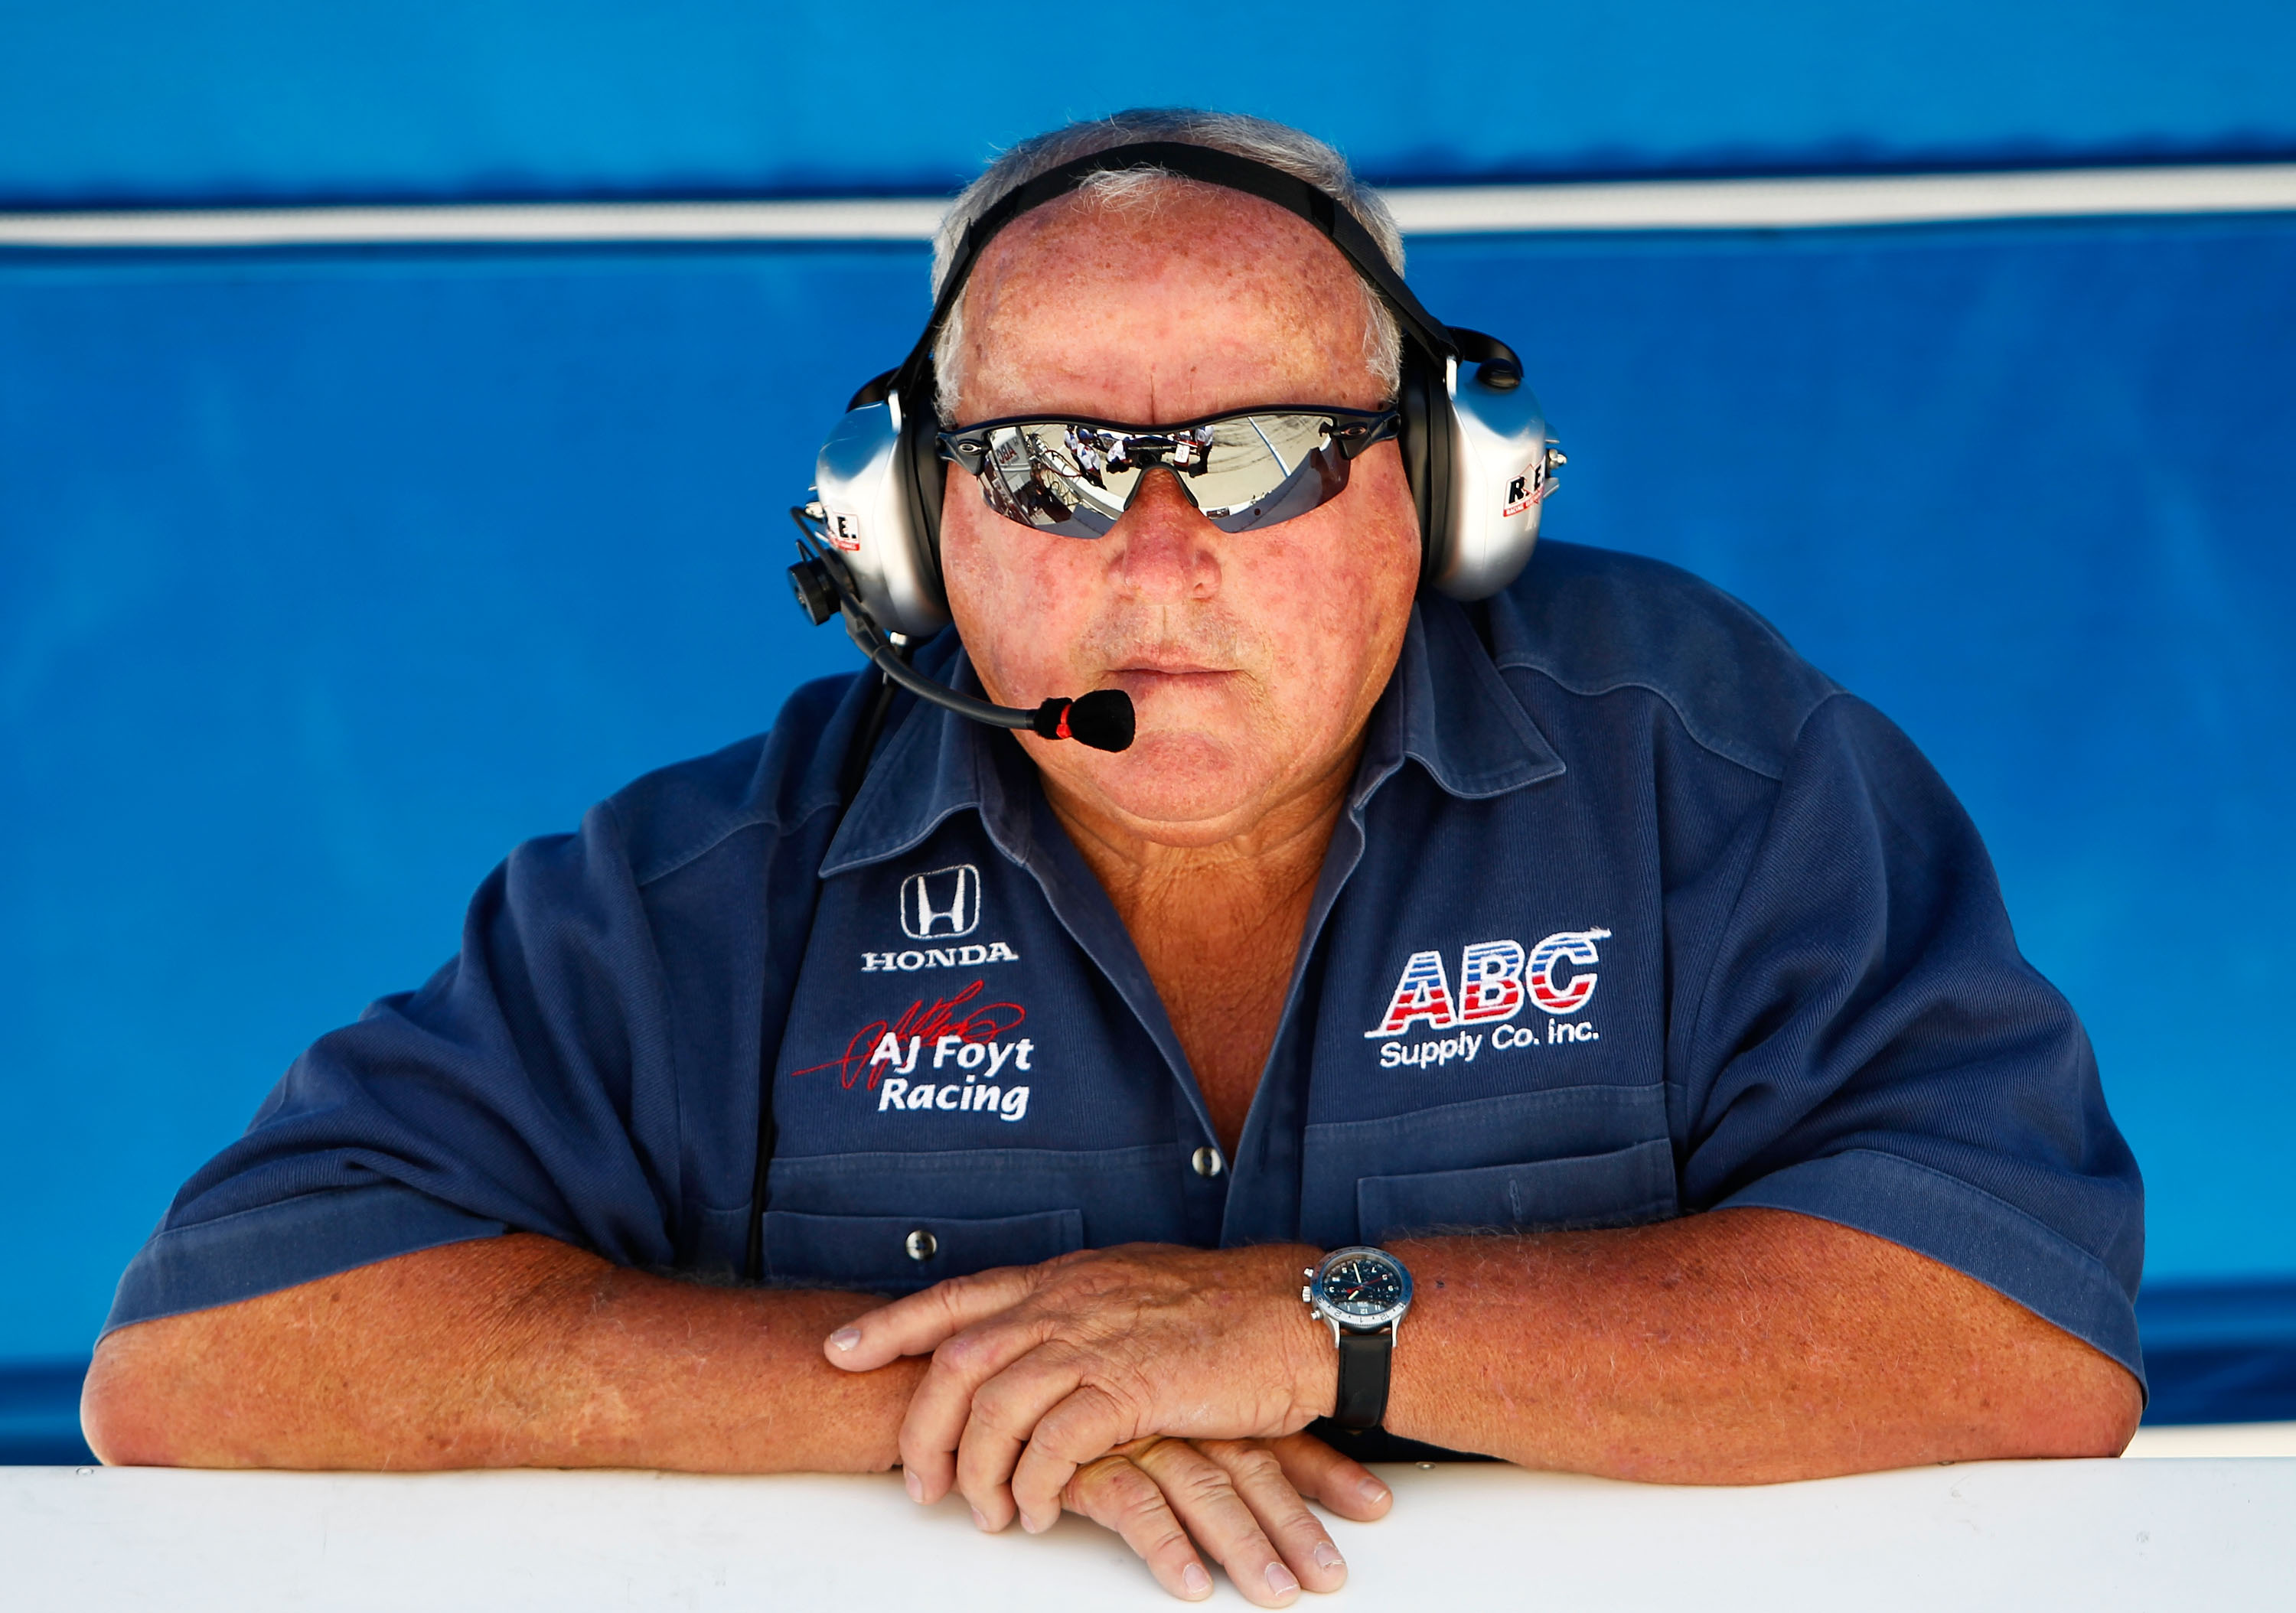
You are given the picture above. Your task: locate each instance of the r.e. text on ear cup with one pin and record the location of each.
(873, 518)
(1499, 474)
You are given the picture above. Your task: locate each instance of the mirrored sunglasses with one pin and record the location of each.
(1244, 470)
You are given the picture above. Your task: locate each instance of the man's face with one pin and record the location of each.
(1252, 658)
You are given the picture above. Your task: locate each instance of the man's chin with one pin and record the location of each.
(1177, 788)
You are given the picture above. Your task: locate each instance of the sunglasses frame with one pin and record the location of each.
(1353, 430)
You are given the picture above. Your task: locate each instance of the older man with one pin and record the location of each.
(1645, 996)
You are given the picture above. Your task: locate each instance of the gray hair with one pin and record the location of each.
(1278, 146)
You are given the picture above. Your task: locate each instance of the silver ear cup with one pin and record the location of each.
(871, 521)
(1500, 474)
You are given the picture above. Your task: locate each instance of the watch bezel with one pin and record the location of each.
(1353, 1324)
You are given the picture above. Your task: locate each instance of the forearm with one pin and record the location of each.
(504, 1352)
(1741, 1347)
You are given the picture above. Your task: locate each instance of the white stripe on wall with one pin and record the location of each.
(1702, 204)
(904, 219)
(1730, 204)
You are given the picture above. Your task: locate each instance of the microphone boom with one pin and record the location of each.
(1102, 719)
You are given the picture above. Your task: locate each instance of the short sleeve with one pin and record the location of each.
(1869, 1047)
(524, 1088)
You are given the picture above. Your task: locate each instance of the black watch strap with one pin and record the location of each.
(1364, 1359)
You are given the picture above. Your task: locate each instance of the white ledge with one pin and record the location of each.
(2011, 1537)
(1668, 204)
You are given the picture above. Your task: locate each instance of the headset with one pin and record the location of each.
(1475, 452)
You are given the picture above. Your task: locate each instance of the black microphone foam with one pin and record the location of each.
(1102, 719)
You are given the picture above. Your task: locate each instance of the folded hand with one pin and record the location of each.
(1241, 1501)
(1039, 1369)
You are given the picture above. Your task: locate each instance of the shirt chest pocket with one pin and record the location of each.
(900, 1254)
(1622, 1188)
(1544, 1161)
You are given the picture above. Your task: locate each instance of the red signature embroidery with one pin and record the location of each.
(982, 1022)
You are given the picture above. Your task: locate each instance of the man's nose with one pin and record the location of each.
(1165, 545)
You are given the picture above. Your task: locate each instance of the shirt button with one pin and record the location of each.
(922, 1245)
(1208, 1162)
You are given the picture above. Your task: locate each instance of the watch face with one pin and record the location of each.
(1364, 1285)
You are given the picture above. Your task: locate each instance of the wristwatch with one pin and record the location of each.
(1363, 1293)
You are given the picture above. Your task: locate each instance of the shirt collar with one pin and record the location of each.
(1446, 707)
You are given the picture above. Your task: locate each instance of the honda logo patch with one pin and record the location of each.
(945, 902)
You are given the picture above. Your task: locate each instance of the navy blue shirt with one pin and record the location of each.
(1631, 915)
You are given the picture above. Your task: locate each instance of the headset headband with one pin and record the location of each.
(1209, 166)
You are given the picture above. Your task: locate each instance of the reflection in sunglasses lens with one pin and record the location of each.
(1243, 471)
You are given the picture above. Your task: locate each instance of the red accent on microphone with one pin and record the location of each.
(1102, 719)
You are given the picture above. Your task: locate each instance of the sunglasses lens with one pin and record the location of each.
(1243, 471)
(1056, 477)
(1264, 469)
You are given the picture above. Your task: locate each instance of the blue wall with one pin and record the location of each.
(107, 100)
(325, 578)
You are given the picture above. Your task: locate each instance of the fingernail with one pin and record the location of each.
(1032, 1525)
(1194, 1581)
(845, 1338)
(1327, 1556)
(916, 1485)
(1280, 1580)
(1372, 1491)
(981, 1521)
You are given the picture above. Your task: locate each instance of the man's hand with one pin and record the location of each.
(1241, 1500)
(1039, 1369)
